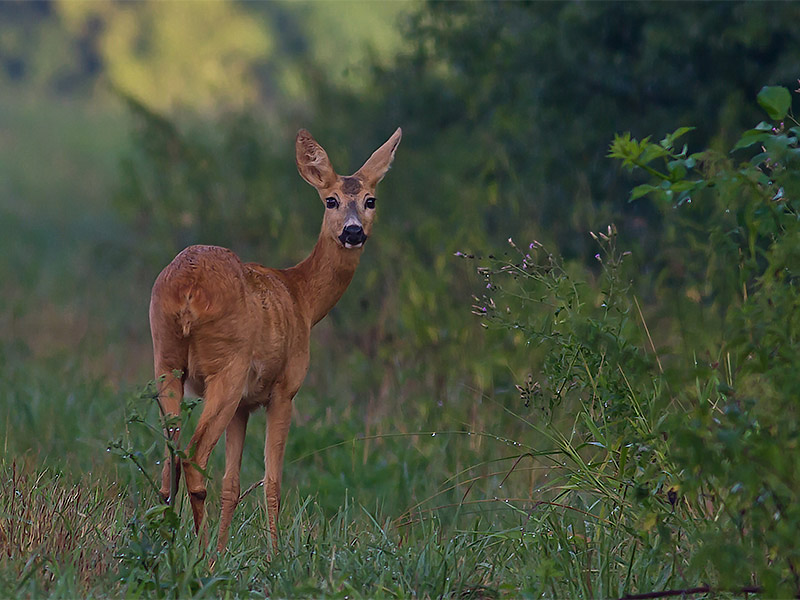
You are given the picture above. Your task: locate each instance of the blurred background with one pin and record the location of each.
(130, 130)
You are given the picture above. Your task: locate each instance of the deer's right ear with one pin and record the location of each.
(313, 162)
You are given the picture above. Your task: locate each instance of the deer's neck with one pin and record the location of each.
(322, 278)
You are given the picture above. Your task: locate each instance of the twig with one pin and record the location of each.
(647, 331)
(251, 488)
(511, 470)
(536, 503)
(704, 589)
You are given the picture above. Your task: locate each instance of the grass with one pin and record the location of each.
(402, 492)
(96, 548)
(75, 521)
(415, 501)
(373, 506)
(57, 535)
(431, 513)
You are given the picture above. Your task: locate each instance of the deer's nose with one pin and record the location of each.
(353, 236)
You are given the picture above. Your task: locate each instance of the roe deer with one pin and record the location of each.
(238, 333)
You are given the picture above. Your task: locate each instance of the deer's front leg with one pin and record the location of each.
(279, 416)
(234, 444)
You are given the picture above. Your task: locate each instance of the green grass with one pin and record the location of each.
(395, 484)
(355, 551)
(459, 514)
(374, 506)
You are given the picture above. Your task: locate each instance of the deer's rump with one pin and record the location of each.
(193, 312)
(199, 286)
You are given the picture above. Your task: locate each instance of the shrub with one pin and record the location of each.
(686, 444)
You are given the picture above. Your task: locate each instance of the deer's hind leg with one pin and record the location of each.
(222, 398)
(279, 418)
(170, 371)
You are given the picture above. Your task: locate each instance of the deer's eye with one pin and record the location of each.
(331, 202)
(369, 203)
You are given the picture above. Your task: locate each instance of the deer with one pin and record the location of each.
(237, 334)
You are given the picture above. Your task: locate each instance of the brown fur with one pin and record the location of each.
(238, 333)
(351, 185)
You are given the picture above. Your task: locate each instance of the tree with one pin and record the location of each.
(535, 90)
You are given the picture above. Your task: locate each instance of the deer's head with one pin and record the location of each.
(349, 201)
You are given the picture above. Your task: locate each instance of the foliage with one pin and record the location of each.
(505, 120)
(178, 187)
(485, 155)
(656, 449)
(534, 91)
(595, 399)
(734, 440)
(149, 49)
(172, 56)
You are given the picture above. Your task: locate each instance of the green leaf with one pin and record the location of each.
(627, 149)
(754, 136)
(759, 158)
(642, 190)
(776, 100)
(778, 146)
(651, 152)
(685, 186)
(677, 169)
(595, 431)
(669, 141)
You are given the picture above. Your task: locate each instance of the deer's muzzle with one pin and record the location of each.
(353, 236)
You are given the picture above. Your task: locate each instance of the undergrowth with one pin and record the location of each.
(627, 459)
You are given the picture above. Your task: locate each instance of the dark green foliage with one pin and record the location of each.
(734, 438)
(534, 90)
(179, 188)
(505, 117)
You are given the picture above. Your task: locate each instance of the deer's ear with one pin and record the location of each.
(380, 161)
(312, 161)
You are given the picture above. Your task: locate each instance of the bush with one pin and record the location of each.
(684, 451)
(735, 443)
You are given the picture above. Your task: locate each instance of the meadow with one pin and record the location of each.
(566, 367)
(375, 500)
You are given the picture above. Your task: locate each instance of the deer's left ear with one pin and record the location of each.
(380, 161)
